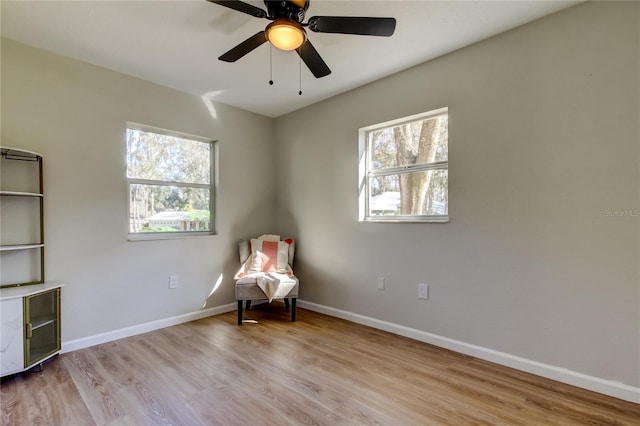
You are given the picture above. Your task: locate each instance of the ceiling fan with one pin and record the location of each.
(287, 32)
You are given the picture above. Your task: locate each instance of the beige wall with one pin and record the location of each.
(544, 140)
(75, 114)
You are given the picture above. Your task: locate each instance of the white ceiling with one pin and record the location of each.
(177, 43)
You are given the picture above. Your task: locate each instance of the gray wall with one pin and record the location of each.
(544, 140)
(75, 114)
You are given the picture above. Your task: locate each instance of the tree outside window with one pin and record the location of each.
(406, 169)
(170, 182)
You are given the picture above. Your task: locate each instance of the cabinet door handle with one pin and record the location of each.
(29, 330)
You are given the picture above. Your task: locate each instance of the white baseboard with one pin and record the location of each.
(85, 342)
(596, 384)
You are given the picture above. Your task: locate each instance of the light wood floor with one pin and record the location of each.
(318, 370)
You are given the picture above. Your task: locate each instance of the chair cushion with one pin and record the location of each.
(269, 256)
(244, 250)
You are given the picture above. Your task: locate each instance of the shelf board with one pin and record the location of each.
(21, 194)
(42, 322)
(18, 153)
(14, 292)
(20, 247)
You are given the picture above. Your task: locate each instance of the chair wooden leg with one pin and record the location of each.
(248, 305)
(293, 309)
(239, 312)
(286, 303)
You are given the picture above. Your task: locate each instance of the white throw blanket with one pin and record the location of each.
(275, 285)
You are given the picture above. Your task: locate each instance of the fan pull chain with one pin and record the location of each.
(300, 76)
(270, 65)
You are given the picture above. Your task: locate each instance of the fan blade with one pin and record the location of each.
(312, 59)
(241, 7)
(245, 47)
(353, 25)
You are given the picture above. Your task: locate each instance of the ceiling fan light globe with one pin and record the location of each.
(285, 35)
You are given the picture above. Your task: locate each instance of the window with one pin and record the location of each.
(404, 169)
(171, 182)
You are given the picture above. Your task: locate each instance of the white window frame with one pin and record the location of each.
(212, 186)
(366, 174)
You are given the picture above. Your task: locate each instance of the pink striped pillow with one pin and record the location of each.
(269, 256)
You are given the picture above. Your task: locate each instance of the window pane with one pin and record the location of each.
(420, 193)
(156, 208)
(160, 157)
(418, 142)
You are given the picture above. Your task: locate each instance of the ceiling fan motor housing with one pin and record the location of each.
(292, 10)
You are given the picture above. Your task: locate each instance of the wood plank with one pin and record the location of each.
(318, 370)
(53, 397)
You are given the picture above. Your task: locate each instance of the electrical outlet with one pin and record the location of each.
(380, 283)
(173, 281)
(423, 291)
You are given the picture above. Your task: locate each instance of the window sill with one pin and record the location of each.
(407, 219)
(152, 236)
